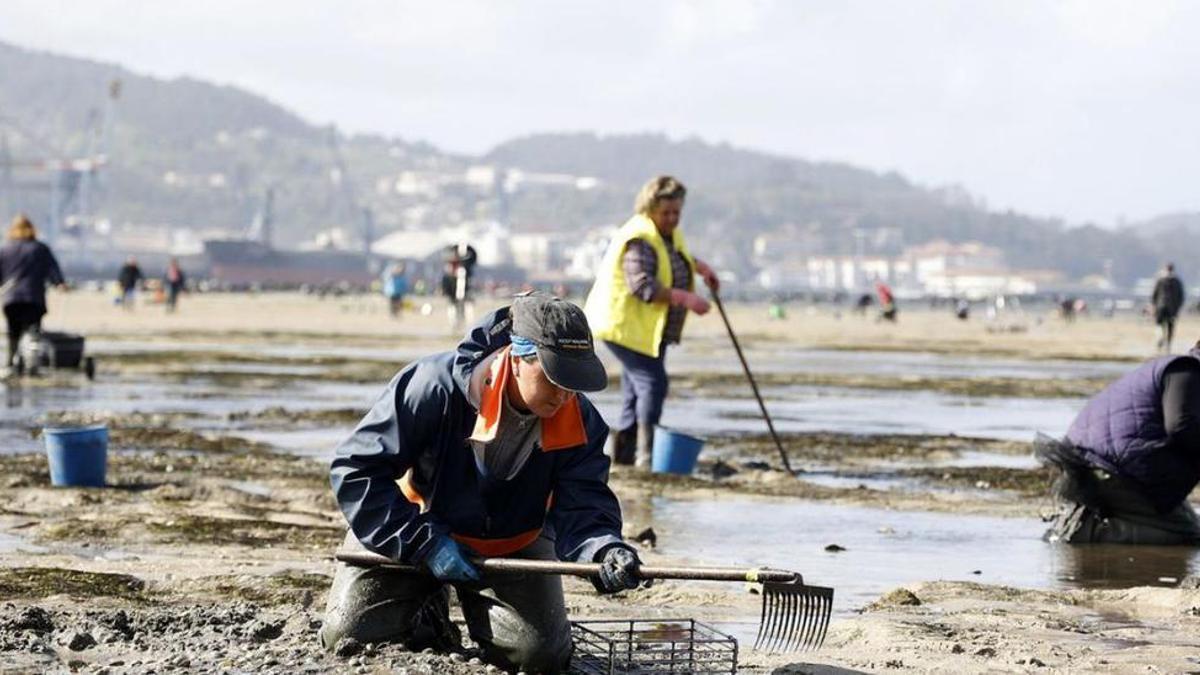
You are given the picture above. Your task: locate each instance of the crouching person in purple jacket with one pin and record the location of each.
(1131, 458)
(488, 450)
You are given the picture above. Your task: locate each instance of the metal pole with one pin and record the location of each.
(753, 385)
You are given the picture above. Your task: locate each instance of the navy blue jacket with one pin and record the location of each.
(26, 266)
(1122, 431)
(417, 432)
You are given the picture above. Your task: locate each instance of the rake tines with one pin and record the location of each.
(795, 616)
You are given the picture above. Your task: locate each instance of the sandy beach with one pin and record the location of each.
(211, 548)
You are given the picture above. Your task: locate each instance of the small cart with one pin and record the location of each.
(52, 350)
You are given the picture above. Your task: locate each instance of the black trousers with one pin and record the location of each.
(21, 316)
(519, 620)
(1096, 507)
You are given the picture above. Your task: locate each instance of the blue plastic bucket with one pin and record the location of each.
(674, 452)
(78, 455)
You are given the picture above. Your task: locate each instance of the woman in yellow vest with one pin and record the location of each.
(638, 304)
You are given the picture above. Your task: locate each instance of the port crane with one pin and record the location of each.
(69, 185)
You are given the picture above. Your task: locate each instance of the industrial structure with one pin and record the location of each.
(60, 192)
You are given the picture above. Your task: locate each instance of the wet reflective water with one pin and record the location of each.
(794, 408)
(318, 443)
(781, 359)
(399, 354)
(207, 404)
(864, 411)
(12, 542)
(886, 549)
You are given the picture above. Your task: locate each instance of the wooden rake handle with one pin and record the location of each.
(577, 569)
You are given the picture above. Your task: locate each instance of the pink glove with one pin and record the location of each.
(695, 303)
(710, 276)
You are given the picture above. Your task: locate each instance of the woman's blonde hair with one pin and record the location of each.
(22, 228)
(658, 189)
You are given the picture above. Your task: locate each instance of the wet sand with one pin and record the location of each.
(212, 552)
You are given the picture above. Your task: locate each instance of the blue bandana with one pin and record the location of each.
(523, 346)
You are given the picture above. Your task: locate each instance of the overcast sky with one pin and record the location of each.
(1085, 109)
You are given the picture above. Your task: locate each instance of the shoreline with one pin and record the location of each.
(213, 551)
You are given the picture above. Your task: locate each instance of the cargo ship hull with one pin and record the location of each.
(234, 261)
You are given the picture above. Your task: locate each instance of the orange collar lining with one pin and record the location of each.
(564, 430)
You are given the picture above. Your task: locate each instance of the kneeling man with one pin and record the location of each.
(488, 450)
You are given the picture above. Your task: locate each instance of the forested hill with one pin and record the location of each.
(56, 94)
(736, 194)
(188, 153)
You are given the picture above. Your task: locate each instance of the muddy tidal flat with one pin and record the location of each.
(914, 493)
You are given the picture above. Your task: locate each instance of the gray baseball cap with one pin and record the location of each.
(563, 339)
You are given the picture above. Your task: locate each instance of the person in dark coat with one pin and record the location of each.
(458, 271)
(174, 282)
(1167, 300)
(488, 450)
(128, 279)
(1131, 458)
(26, 267)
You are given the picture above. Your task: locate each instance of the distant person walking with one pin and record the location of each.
(962, 309)
(26, 267)
(638, 305)
(128, 279)
(457, 273)
(174, 282)
(1066, 309)
(887, 301)
(395, 287)
(1167, 300)
(862, 303)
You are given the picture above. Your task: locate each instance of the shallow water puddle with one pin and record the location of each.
(886, 549)
(260, 369)
(100, 348)
(249, 487)
(11, 542)
(888, 363)
(890, 482)
(305, 442)
(977, 458)
(867, 481)
(210, 406)
(867, 412)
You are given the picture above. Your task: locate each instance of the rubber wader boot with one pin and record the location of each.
(621, 445)
(645, 446)
(612, 445)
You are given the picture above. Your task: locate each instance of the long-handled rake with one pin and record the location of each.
(795, 615)
(753, 385)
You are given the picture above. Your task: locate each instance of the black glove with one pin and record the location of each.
(618, 567)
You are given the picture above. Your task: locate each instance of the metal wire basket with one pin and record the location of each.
(651, 646)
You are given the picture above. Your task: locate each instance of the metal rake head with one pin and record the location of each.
(795, 616)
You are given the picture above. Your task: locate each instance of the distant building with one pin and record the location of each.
(585, 255)
(847, 272)
(936, 267)
(940, 257)
(969, 269)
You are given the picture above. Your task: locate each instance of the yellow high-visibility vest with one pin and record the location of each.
(613, 312)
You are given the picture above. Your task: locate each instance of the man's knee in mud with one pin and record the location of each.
(531, 652)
